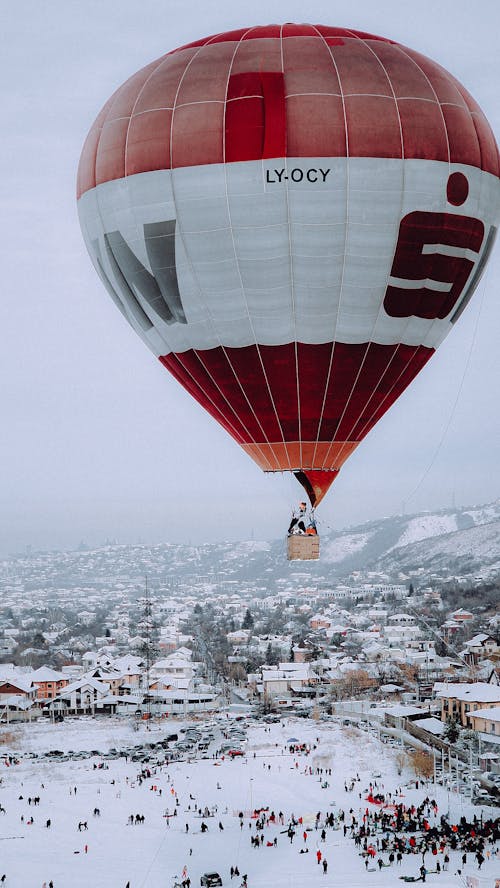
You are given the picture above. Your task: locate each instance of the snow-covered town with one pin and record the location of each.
(249, 487)
(294, 727)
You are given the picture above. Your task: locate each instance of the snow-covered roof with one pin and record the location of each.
(84, 682)
(166, 681)
(128, 663)
(275, 675)
(492, 713)
(112, 699)
(433, 725)
(181, 653)
(17, 681)
(17, 701)
(399, 709)
(45, 673)
(478, 639)
(477, 691)
(401, 617)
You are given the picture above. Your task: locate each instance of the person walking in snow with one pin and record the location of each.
(318, 856)
(325, 866)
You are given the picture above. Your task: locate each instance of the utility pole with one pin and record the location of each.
(147, 646)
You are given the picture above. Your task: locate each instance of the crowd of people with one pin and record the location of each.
(388, 829)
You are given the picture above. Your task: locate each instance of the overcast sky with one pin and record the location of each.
(97, 440)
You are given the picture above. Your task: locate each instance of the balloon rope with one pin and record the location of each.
(459, 392)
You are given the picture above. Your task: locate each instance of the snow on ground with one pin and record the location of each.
(426, 526)
(344, 546)
(482, 514)
(84, 733)
(111, 852)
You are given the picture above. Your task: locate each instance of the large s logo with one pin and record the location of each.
(437, 260)
(434, 257)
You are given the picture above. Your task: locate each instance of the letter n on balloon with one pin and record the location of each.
(159, 290)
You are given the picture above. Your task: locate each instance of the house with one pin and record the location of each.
(48, 682)
(319, 621)
(302, 653)
(181, 701)
(113, 678)
(461, 616)
(173, 668)
(184, 652)
(18, 707)
(487, 722)
(165, 683)
(239, 636)
(459, 700)
(401, 620)
(288, 678)
(79, 698)
(17, 686)
(7, 646)
(480, 647)
(131, 669)
(400, 634)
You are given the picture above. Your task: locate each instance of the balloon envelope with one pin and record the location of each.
(292, 218)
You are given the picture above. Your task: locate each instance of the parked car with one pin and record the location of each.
(210, 880)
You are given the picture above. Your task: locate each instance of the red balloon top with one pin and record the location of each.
(285, 90)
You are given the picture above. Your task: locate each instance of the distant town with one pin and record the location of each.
(126, 631)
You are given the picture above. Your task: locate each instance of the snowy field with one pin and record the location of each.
(111, 852)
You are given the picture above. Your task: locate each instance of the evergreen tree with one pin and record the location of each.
(271, 655)
(452, 730)
(248, 620)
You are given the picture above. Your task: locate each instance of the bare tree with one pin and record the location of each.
(422, 763)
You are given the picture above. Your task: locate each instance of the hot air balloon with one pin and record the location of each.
(292, 217)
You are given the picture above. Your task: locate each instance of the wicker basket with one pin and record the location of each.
(303, 547)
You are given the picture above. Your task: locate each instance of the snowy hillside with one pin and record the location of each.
(461, 542)
(474, 552)
(424, 526)
(464, 541)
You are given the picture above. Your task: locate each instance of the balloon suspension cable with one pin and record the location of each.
(457, 398)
